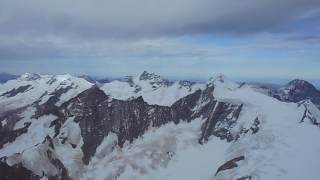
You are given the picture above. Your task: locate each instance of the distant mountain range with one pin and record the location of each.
(4, 77)
(148, 127)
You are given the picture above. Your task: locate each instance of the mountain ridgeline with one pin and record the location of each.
(79, 116)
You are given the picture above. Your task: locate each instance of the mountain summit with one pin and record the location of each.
(298, 90)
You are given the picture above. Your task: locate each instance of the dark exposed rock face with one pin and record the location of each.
(220, 116)
(230, 164)
(7, 131)
(15, 172)
(88, 112)
(16, 91)
(220, 120)
(245, 178)
(183, 108)
(98, 115)
(7, 135)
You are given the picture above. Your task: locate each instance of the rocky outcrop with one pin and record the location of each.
(230, 164)
(220, 116)
(245, 178)
(311, 112)
(253, 129)
(7, 122)
(7, 135)
(220, 121)
(16, 91)
(154, 79)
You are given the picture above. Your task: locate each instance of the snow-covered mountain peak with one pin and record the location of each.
(30, 88)
(222, 81)
(153, 79)
(29, 77)
(145, 75)
(298, 90)
(152, 87)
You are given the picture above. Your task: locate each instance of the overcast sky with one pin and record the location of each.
(249, 39)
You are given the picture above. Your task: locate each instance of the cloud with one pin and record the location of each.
(124, 35)
(51, 48)
(123, 18)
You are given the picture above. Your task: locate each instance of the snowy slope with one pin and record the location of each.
(151, 87)
(281, 147)
(29, 88)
